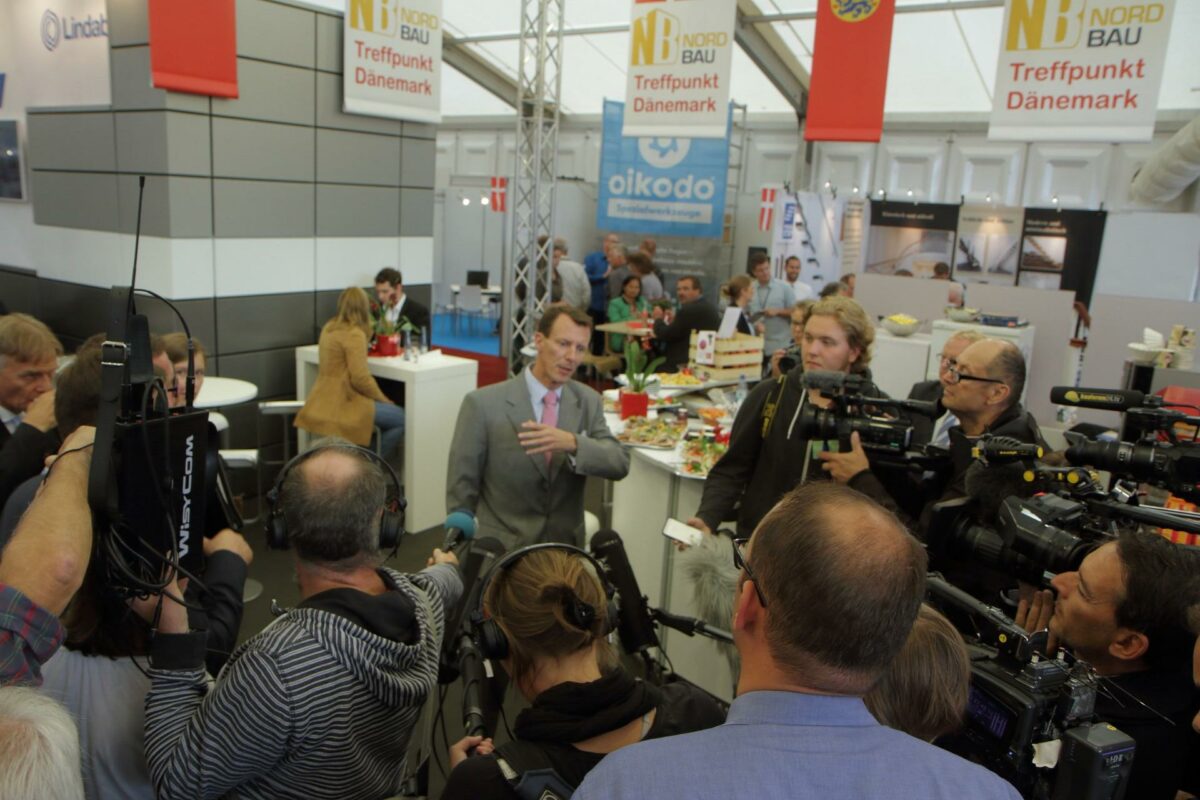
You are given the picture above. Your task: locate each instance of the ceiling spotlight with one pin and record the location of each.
(880, 192)
(827, 184)
(989, 197)
(483, 201)
(1054, 200)
(466, 201)
(910, 192)
(855, 190)
(8, 152)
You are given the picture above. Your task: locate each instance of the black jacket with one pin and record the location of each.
(930, 392)
(417, 314)
(698, 315)
(22, 455)
(767, 456)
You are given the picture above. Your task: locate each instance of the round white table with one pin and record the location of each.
(217, 392)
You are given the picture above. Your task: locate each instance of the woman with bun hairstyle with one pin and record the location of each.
(738, 292)
(552, 610)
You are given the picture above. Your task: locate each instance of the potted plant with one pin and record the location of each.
(634, 400)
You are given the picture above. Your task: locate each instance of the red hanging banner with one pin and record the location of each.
(849, 72)
(193, 46)
(499, 194)
(766, 209)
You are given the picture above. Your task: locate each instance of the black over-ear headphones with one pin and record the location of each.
(391, 527)
(489, 636)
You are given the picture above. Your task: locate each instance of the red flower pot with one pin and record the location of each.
(387, 345)
(634, 404)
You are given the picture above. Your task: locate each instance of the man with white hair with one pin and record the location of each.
(39, 747)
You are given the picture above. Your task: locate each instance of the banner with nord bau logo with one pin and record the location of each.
(680, 53)
(1080, 69)
(661, 185)
(392, 63)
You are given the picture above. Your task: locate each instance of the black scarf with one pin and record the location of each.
(573, 712)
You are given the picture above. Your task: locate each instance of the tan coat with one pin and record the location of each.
(341, 402)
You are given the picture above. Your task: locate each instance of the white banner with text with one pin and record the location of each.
(393, 59)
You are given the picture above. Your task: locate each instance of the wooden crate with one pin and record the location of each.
(741, 356)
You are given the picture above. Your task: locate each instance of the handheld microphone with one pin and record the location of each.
(635, 626)
(460, 527)
(1004, 450)
(1103, 399)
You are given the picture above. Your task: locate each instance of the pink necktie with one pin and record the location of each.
(550, 417)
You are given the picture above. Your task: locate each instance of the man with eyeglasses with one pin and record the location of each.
(1124, 612)
(983, 391)
(928, 431)
(818, 617)
(522, 449)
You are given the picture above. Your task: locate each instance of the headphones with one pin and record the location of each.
(391, 527)
(489, 636)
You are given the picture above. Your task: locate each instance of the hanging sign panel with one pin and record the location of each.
(392, 59)
(1077, 70)
(849, 70)
(661, 185)
(680, 54)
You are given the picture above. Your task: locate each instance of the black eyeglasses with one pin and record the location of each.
(739, 561)
(957, 377)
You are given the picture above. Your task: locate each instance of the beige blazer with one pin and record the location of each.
(342, 401)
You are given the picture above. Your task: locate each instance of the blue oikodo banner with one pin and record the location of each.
(660, 185)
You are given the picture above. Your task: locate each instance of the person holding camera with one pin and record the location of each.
(768, 454)
(784, 359)
(551, 613)
(818, 617)
(321, 703)
(1125, 612)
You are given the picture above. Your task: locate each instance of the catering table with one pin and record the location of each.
(217, 392)
(434, 388)
(625, 329)
(656, 489)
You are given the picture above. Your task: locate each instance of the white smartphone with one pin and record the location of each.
(674, 529)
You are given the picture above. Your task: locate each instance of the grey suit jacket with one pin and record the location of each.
(514, 496)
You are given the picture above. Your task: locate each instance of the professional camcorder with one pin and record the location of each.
(855, 412)
(1021, 701)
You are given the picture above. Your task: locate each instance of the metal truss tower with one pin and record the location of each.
(528, 276)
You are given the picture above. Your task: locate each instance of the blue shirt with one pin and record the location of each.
(595, 265)
(776, 294)
(792, 745)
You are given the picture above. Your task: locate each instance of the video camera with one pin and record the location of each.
(156, 480)
(887, 437)
(1020, 701)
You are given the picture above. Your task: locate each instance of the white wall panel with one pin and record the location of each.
(446, 153)
(1127, 159)
(1077, 174)
(476, 154)
(844, 165)
(981, 171)
(264, 266)
(769, 158)
(915, 164)
(354, 260)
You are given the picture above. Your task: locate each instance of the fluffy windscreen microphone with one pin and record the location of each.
(989, 486)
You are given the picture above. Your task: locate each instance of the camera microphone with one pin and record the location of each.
(831, 381)
(1004, 450)
(460, 527)
(1103, 399)
(635, 627)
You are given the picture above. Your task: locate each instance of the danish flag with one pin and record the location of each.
(499, 194)
(766, 211)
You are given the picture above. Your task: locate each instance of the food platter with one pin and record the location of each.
(699, 455)
(659, 433)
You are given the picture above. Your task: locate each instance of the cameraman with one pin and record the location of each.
(1125, 613)
(767, 456)
(983, 391)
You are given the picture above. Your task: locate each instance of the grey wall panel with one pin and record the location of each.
(174, 207)
(420, 130)
(326, 308)
(200, 319)
(131, 89)
(422, 293)
(75, 200)
(73, 311)
(189, 144)
(263, 322)
(19, 289)
(163, 142)
(417, 160)
(262, 209)
(345, 157)
(67, 141)
(270, 92)
(357, 211)
(263, 150)
(329, 43)
(416, 212)
(276, 32)
(330, 115)
(128, 22)
(272, 371)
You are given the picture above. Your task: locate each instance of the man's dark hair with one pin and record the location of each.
(843, 582)
(695, 281)
(389, 275)
(1009, 366)
(546, 323)
(790, 259)
(333, 518)
(640, 263)
(1156, 572)
(758, 258)
(832, 289)
(77, 388)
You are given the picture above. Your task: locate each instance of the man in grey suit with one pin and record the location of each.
(523, 449)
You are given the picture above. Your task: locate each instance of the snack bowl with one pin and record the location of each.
(956, 314)
(906, 326)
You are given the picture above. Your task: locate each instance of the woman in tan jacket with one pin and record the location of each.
(346, 401)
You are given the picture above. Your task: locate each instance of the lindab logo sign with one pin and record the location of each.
(58, 30)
